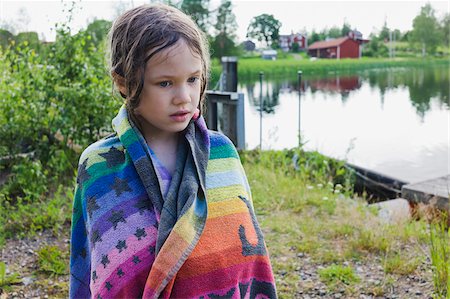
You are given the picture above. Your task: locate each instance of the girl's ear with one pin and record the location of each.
(119, 81)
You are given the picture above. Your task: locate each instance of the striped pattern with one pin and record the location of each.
(215, 249)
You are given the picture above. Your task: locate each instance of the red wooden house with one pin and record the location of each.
(286, 41)
(342, 47)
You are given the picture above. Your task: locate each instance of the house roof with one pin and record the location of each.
(328, 43)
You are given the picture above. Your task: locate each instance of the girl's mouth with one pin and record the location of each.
(180, 116)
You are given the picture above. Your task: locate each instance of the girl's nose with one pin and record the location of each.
(182, 95)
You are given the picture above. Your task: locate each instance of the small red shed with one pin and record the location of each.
(343, 47)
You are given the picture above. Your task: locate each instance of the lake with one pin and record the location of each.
(395, 122)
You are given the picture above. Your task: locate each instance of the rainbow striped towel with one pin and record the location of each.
(201, 240)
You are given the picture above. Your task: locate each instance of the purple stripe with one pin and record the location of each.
(102, 224)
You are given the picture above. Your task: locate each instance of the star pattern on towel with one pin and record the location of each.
(83, 174)
(121, 186)
(113, 157)
(116, 217)
(136, 259)
(94, 276)
(120, 272)
(105, 260)
(95, 237)
(83, 253)
(108, 285)
(121, 245)
(142, 205)
(92, 205)
(140, 233)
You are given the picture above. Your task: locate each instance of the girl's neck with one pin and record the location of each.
(165, 148)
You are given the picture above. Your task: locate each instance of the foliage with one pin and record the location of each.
(264, 28)
(346, 28)
(199, 11)
(336, 274)
(98, 30)
(223, 43)
(53, 104)
(7, 279)
(445, 28)
(426, 33)
(440, 257)
(52, 260)
(375, 48)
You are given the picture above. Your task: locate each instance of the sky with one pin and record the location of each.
(295, 16)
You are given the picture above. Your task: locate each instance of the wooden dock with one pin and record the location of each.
(434, 193)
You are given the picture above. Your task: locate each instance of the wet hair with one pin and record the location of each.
(140, 33)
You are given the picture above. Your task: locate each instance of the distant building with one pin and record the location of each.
(287, 41)
(269, 54)
(343, 47)
(248, 45)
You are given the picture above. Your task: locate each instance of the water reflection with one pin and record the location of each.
(383, 120)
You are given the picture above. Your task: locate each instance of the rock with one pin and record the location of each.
(27, 280)
(394, 210)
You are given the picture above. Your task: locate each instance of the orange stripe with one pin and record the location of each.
(220, 245)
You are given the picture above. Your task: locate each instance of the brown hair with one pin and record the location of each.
(140, 33)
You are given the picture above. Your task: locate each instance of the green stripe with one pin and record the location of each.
(224, 151)
(77, 207)
(222, 165)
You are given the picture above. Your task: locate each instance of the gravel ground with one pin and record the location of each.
(21, 257)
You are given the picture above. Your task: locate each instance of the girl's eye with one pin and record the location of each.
(164, 84)
(192, 79)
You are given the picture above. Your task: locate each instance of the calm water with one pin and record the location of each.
(395, 122)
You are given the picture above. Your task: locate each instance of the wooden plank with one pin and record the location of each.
(434, 192)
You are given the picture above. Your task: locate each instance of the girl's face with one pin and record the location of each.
(171, 91)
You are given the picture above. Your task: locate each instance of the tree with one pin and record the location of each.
(346, 28)
(445, 29)
(264, 27)
(198, 10)
(384, 33)
(223, 43)
(334, 32)
(425, 32)
(98, 30)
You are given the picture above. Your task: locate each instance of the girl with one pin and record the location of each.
(162, 207)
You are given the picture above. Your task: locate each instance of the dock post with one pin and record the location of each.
(299, 75)
(261, 75)
(229, 76)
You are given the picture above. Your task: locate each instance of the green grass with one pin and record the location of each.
(249, 68)
(301, 214)
(6, 280)
(308, 214)
(335, 275)
(440, 257)
(24, 218)
(52, 261)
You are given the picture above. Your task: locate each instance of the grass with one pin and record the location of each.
(310, 219)
(335, 275)
(249, 68)
(6, 280)
(305, 216)
(52, 261)
(440, 257)
(25, 218)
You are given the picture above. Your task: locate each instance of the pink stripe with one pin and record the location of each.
(131, 284)
(222, 279)
(118, 259)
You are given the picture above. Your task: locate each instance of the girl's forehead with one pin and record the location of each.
(165, 54)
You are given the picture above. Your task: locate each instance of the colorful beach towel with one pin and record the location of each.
(201, 240)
